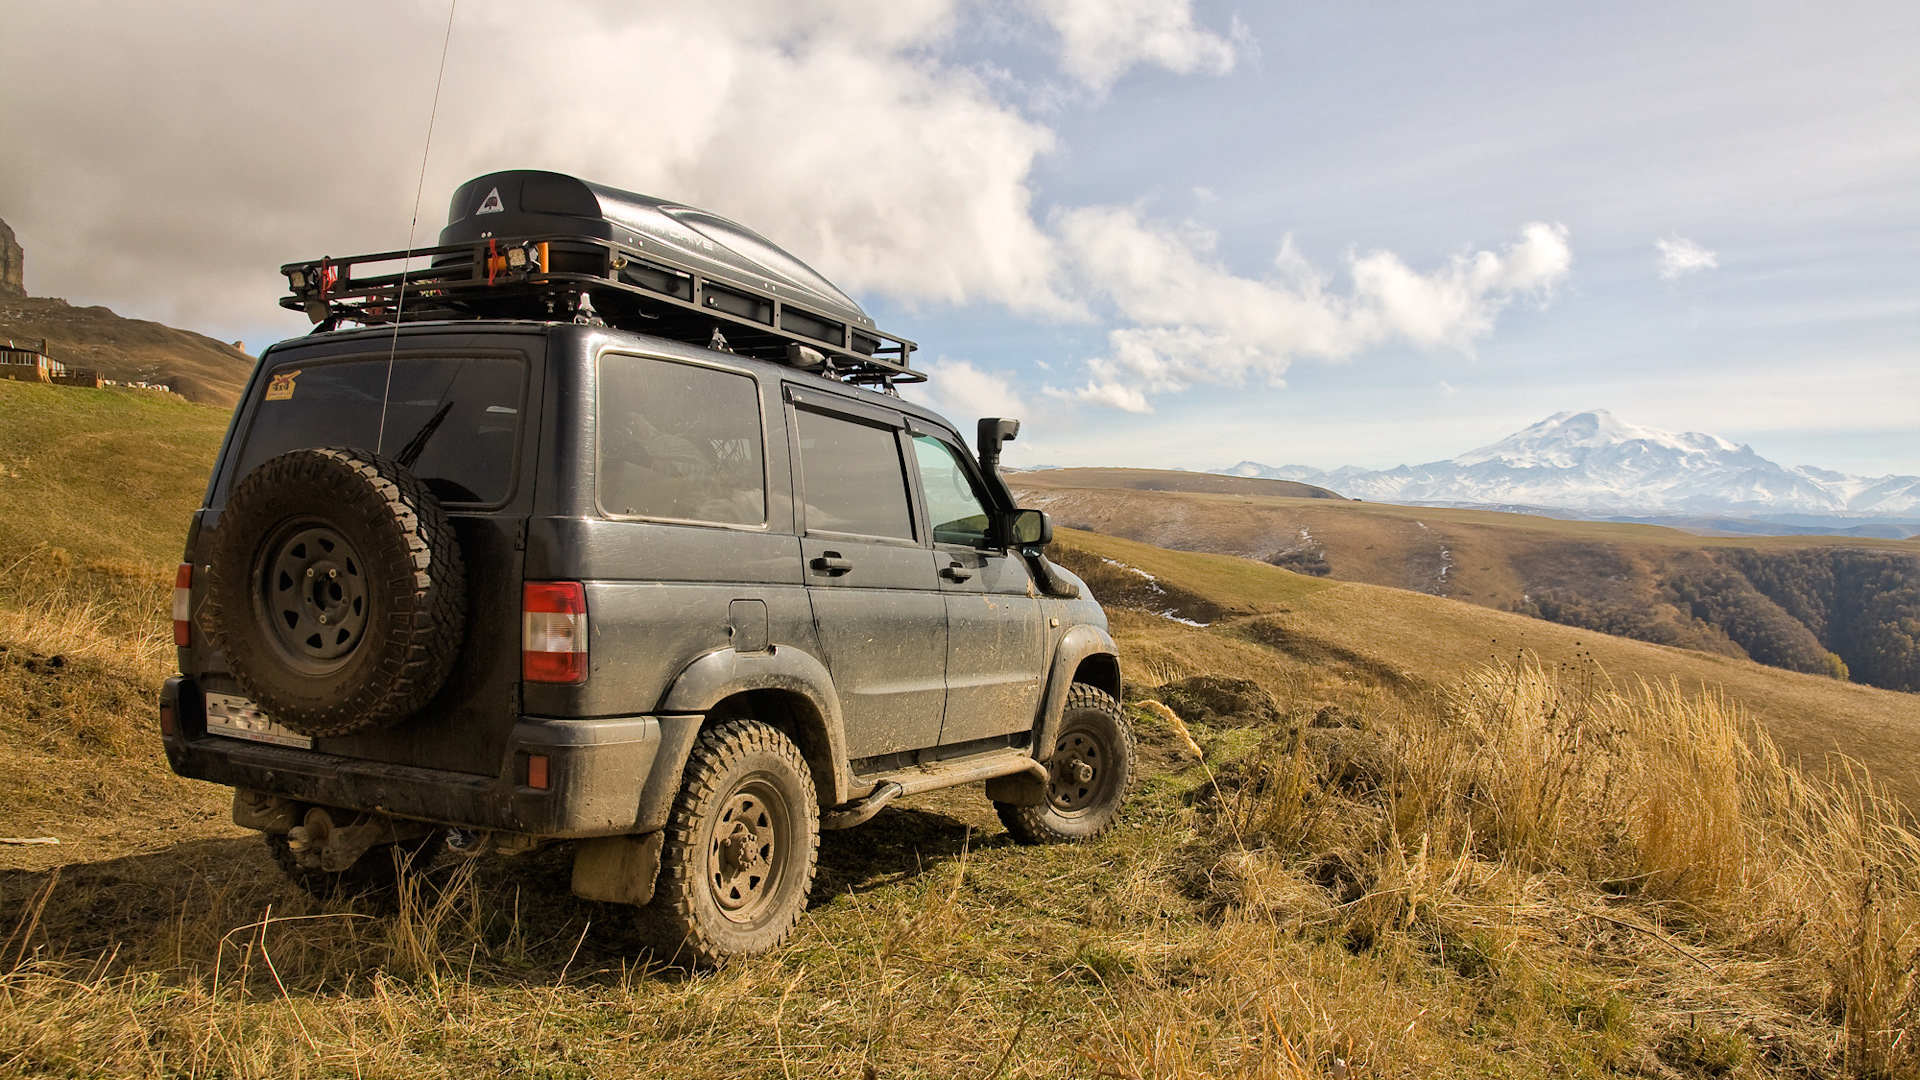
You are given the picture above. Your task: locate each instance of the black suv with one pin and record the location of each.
(607, 525)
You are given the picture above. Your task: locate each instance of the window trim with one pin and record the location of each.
(860, 412)
(855, 412)
(765, 523)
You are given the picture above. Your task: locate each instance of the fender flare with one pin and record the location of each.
(1076, 645)
(713, 677)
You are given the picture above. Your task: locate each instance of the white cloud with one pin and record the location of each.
(1100, 40)
(963, 392)
(1194, 321)
(179, 159)
(1105, 390)
(187, 152)
(1680, 257)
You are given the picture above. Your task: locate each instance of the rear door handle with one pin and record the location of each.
(956, 572)
(832, 565)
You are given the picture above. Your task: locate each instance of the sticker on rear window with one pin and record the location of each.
(281, 388)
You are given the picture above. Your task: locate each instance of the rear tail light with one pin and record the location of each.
(553, 632)
(183, 605)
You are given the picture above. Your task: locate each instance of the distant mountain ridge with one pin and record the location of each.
(1594, 463)
(196, 366)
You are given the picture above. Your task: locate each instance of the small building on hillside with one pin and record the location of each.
(81, 377)
(26, 360)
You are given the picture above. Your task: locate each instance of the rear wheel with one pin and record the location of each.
(738, 857)
(1092, 770)
(377, 873)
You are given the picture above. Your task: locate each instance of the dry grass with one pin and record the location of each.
(1540, 819)
(1522, 875)
(1334, 633)
(1394, 870)
(83, 649)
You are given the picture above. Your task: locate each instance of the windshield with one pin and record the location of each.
(453, 420)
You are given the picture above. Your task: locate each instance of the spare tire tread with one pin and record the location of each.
(422, 595)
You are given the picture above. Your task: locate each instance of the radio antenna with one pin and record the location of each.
(400, 294)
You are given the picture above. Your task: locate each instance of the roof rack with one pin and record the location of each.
(592, 280)
(527, 244)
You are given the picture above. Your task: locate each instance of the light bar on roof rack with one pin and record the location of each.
(547, 277)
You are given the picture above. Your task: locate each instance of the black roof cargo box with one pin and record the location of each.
(541, 245)
(532, 203)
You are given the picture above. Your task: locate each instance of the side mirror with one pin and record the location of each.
(1030, 528)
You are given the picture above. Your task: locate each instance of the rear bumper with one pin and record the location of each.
(597, 771)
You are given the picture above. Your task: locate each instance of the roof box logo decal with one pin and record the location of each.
(491, 204)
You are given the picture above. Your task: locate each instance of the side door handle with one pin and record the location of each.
(956, 572)
(831, 564)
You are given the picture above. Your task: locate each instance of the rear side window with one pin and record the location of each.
(680, 442)
(853, 477)
(455, 419)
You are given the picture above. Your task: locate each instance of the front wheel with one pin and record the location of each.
(738, 857)
(1092, 768)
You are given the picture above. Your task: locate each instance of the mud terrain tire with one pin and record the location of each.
(338, 592)
(1093, 767)
(740, 848)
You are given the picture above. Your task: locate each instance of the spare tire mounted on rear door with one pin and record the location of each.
(338, 591)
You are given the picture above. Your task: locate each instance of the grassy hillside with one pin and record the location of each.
(109, 476)
(1171, 480)
(96, 488)
(1398, 637)
(130, 350)
(1812, 604)
(1356, 849)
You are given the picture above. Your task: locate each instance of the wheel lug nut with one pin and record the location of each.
(333, 573)
(323, 620)
(309, 571)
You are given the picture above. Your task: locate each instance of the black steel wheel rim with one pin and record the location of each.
(311, 595)
(1082, 773)
(746, 853)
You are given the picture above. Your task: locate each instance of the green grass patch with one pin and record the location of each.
(109, 476)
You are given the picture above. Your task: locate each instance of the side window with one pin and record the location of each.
(958, 514)
(679, 441)
(853, 477)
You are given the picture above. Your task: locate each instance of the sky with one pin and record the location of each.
(1164, 233)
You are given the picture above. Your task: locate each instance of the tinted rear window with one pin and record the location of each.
(466, 455)
(680, 441)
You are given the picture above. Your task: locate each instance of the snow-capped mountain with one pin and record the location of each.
(1592, 462)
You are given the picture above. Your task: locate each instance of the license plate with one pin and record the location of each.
(237, 718)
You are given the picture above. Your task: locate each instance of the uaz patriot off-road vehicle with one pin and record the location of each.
(606, 525)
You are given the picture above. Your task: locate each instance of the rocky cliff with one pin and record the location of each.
(13, 264)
